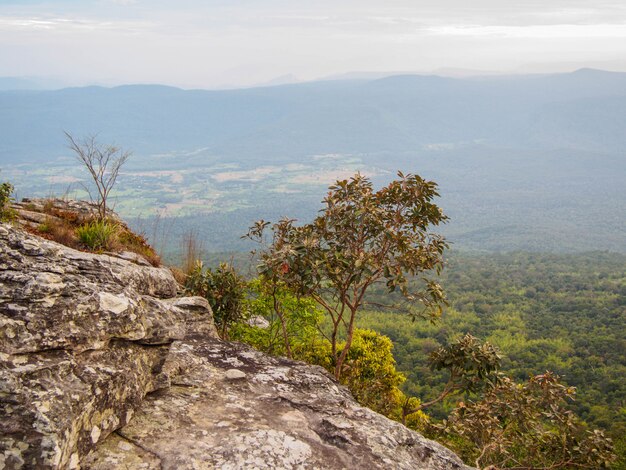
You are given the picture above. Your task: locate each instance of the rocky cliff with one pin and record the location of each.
(103, 366)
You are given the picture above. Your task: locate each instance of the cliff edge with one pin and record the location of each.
(103, 366)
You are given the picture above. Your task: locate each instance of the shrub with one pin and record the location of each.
(527, 426)
(371, 374)
(293, 320)
(225, 289)
(6, 189)
(98, 234)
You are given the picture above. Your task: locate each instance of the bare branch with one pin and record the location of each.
(103, 162)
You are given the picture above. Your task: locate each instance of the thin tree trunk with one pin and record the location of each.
(283, 326)
(346, 348)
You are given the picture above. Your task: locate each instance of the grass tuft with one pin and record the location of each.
(98, 235)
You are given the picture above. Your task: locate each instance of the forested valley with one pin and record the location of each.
(564, 313)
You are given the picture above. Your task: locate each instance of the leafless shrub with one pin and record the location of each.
(103, 163)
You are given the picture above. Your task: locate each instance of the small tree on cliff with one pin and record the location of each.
(525, 426)
(360, 238)
(103, 163)
(471, 365)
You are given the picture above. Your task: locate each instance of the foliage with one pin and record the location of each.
(103, 162)
(61, 231)
(469, 362)
(563, 313)
(225, 289)
(78, 229)
(370, 373)
(6, 189)
(470, 365)
(361, 237)
(292, 320)
(98, 234)
(526, 426)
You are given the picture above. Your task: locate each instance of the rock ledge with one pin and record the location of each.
(103, 367)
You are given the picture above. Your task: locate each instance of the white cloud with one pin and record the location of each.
(215, 42)
(36, 23)
(553, 31)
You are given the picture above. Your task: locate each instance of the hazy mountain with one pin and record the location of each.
(584, 109)
(280, 80)
(532, 162)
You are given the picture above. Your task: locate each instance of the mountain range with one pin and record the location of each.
(533, 157)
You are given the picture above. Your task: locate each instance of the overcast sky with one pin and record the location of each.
(214, 43)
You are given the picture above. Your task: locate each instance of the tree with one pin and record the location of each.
(361, 237)
(225, 289)
(471, 366)
(103, 162)
(526, 427)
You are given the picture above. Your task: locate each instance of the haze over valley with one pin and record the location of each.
(523, 162)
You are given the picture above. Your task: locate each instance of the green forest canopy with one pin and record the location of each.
(564, 313)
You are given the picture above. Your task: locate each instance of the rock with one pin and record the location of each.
(102, 367)
(83, 339)
(130, 256)
(56, 206)
(234, 374)
(55, 297)
(283, 415)
(31, 216)
(258, 321)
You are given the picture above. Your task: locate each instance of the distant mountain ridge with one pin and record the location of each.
(533, 162)
(584, 109)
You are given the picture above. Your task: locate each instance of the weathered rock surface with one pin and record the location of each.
(102, 367)
(83, 338)
(233, 407)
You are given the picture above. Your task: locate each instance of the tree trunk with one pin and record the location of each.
(346, 348)
(283, 326)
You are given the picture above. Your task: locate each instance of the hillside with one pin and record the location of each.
(563, 313)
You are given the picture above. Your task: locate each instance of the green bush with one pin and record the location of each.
(225, 289)
(292, 320)
(6, 189)
(371, 373)
(98, 234)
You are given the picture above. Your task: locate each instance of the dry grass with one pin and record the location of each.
(192, 252)
(179, 275)
(58, 230)
(64, 226)
(130, 241)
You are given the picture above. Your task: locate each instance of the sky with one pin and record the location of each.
(233, 43)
